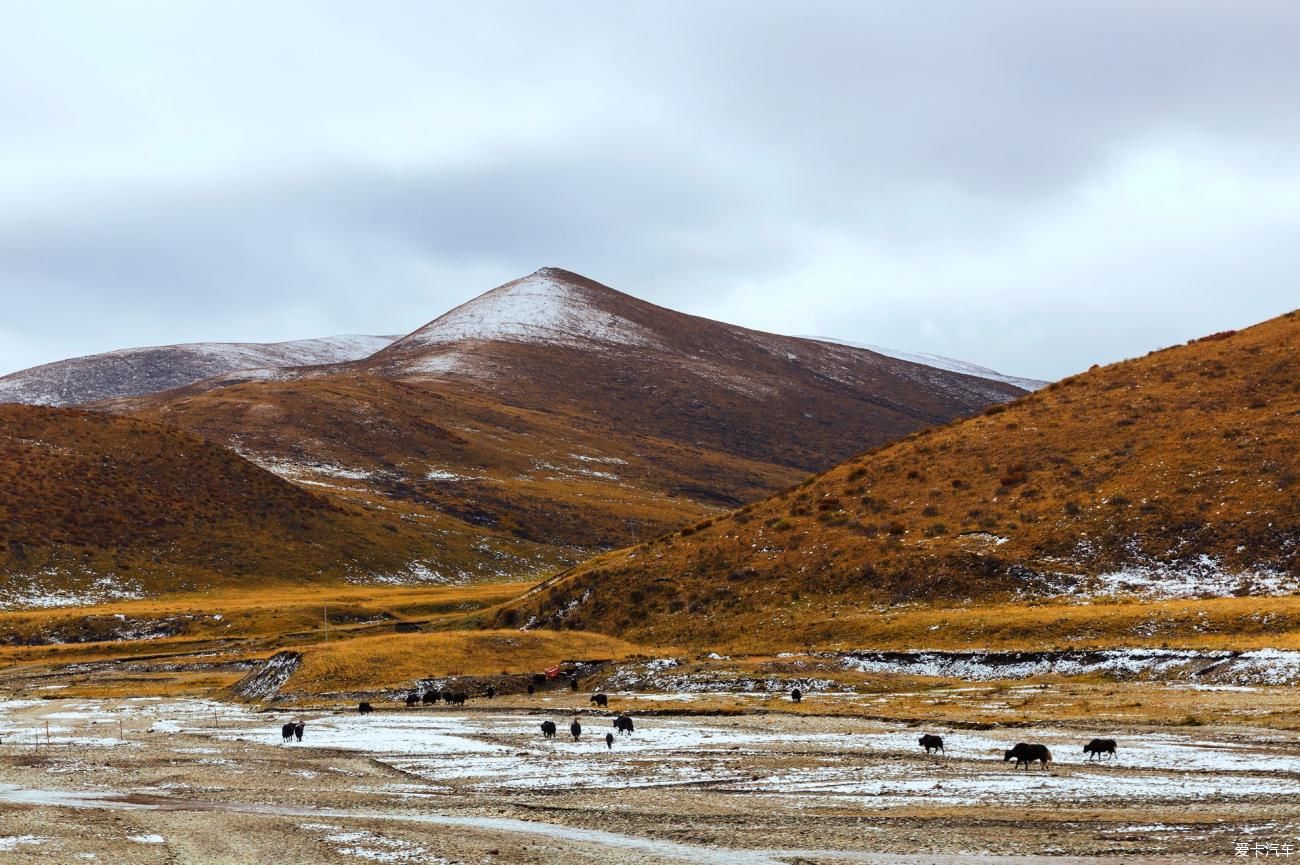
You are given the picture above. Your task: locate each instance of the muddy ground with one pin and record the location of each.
(194, 781)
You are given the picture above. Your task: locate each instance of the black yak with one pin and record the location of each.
(412, 699)
(624, 724)
(576, 729)
(429, 697)
(609, 741)
(532, 690)
(365, 708)
(601, 700)
(932, 743)
(298, 729)
(491, 692)
(1027, 754)
(457, 697)
(548, 729)
(796, 695)
(1097, 747)
(286, 732)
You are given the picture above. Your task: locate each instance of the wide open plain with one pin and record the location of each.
(737, 777)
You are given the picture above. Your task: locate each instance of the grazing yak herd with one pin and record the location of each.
(1023, 753)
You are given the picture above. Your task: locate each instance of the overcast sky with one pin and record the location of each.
(1034, 186)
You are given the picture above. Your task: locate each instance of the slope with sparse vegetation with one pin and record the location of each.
(1174, 474)
(96, 507)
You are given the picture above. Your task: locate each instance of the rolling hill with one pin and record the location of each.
(95, 507)
(553, 416)
(140, 371)
(1174, 475)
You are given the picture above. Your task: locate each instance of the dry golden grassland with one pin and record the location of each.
(1211, 623)
(396, 660)
(364, 653)
(239, 622)
(248, 623)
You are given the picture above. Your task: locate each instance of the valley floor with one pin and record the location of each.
(181, 780)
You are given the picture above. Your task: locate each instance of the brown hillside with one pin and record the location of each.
(97, 506)
(1181, 467)
(499, 490)
(554, 417)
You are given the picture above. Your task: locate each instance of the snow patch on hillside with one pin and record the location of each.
(441, 474)
(541, 308)
(446, 363)
(1202, 577)
(267, 680)
(292, 470)
(1259, 667)
(51, 588)
(586, 458)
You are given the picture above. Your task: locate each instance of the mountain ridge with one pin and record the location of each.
(146, 370)
(552, 417)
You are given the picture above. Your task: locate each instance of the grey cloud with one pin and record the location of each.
(1036, 186)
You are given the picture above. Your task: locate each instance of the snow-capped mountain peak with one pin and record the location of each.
(550, 306)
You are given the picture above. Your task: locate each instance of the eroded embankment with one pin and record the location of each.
(825, 671)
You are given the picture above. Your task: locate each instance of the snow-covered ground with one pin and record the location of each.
(872, 763)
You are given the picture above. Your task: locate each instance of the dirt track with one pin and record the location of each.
(212, 783)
